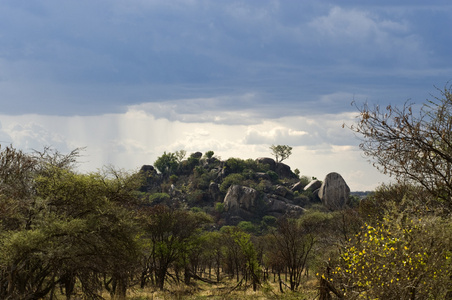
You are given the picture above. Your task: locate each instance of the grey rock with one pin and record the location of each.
(334, 191)
(278, 206)
(267, 161)
(196, 155)
(214, 192)
(284, 171)
(297, 187)
(281, 191)
(313, 185)
(263, 176)
(240, 199)
(148, 169)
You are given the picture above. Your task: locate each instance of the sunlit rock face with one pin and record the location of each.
(334, 191)
(241, 201)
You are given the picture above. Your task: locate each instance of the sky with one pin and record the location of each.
(130, 79)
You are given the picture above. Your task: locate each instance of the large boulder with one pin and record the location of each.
(297, 187)
(267, 161)
(148, 169)
(214, 192)
(284, 171)
(313, 185)
(334, 191)
(241, 200)
(278, 206)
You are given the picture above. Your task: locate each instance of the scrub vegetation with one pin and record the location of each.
(168, 235)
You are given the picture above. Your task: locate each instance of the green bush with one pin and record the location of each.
(273, 175)
(269, 221)
(247, 226)
(234, 165)
(219, 207)
(209, 154)
(195, 197)
(173, 178)
(230, 180)
(158, 198)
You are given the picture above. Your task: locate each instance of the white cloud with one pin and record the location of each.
(273, 134)
(135, 138)
(35, 136)
(232, 109)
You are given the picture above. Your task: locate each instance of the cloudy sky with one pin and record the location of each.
(129, 79)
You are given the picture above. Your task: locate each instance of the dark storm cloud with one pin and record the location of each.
(94, 57)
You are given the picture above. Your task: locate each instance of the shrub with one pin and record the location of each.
(209, 154)
(157, 198)
(219, 207)
(269, 221)
(247, 226)
(273, 176)
(173, 178)
(230, 180)
(406, 258)
(235, 165)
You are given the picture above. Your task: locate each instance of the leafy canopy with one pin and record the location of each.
(281, 152)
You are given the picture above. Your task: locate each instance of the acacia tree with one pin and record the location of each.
(293, 243)
(281, 152)
(170, 233)
(66, 227)
(415, 147)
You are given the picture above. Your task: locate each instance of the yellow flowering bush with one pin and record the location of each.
(396, 259)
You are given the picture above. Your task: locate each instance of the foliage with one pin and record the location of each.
(219, 207)
(167, 163)
(281, 152)
(234, 165)
(406, 258)
(249, 253)
(158, 198)
(231, 180)
(209, 154)
(410, 146)
(171, 234)
(180, 154)
(293, 243)
(247, 226)
(76, 228)
(273, 175)
(269, 221)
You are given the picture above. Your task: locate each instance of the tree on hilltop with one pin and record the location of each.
(281, 152)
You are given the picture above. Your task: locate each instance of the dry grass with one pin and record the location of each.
(225, 291)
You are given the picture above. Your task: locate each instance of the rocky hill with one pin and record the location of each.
(235, 190)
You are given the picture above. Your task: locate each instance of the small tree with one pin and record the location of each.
(293, 243)
(180, 155)
(209, 154)
(410, 146)
(281, 152)
(167, 163)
